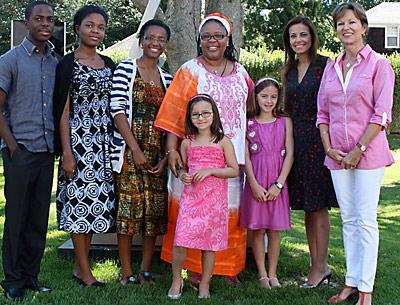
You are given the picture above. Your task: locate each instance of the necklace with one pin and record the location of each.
(348, 62)
(348, 65)
(150, 73)
(216, 71)
(223, 71)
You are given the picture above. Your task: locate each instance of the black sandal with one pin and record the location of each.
(130, 280)
(82, 283)
(145, 277)
(96, 284)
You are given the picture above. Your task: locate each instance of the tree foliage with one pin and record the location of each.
(124, 18)
(329, 5)
(265, 20)
(9, 10)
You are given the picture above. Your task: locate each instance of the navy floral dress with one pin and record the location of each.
(310, 183)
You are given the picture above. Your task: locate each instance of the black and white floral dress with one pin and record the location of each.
(86, 204)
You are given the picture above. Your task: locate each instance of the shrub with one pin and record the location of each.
(394, 59)
(117, 55)
(262, 62)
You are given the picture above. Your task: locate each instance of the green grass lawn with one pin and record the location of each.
(56, 271)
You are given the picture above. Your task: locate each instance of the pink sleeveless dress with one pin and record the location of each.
(203, 212)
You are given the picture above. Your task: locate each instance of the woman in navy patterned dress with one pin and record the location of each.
(310, 183)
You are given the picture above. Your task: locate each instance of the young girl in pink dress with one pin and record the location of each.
(269, 157)
(209, 159)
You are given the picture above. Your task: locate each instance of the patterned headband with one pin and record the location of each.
(267, 78)
(218, 17)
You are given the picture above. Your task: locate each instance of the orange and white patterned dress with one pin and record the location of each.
(230, 93)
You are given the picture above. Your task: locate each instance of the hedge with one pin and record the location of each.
(262, 62)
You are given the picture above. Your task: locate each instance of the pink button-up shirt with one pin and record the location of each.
(349, 105)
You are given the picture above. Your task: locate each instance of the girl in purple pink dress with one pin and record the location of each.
(209, 160)
(269, 158)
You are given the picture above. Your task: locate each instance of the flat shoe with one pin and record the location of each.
(204, 296)
(177, 296)
(274, 283)
(264, 282)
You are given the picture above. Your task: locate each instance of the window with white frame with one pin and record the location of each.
(392, 36)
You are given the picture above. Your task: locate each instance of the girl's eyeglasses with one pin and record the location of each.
(209, 37)
(204, 115)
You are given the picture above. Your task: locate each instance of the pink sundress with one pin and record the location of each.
(203, 212)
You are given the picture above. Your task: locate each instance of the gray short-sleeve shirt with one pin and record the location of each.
(27, 77)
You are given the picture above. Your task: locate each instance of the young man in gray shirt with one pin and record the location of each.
(27, 75)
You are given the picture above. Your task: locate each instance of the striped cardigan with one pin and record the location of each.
(121, 102)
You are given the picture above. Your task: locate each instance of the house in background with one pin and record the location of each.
(384, 27)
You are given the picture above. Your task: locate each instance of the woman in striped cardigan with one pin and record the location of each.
(138, 155)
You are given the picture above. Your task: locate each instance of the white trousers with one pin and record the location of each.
(357, 192)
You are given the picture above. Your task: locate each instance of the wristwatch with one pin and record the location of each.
(361, 147)
(278, 185)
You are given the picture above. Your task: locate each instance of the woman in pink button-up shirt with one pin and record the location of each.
(354, 109)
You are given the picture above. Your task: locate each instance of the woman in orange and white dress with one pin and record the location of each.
(215, 72)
